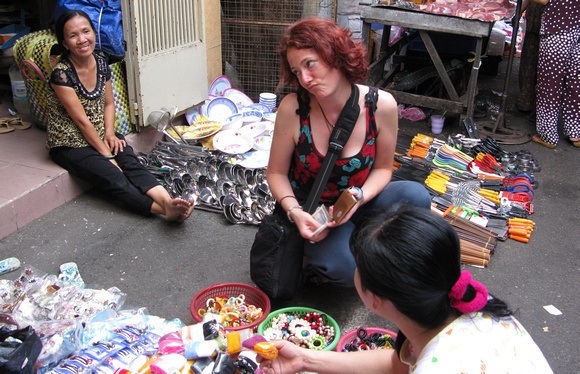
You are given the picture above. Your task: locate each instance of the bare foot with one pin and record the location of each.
(185, 215)
(175, 208)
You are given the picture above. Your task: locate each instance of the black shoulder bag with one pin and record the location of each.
(277, 252)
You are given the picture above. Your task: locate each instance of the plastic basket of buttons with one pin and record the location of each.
(365, 338)
(306, 327)
(238, 305)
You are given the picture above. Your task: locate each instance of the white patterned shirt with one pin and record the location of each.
(477, 343)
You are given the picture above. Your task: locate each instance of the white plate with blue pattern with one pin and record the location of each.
(221, 108)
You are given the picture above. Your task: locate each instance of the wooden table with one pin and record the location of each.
(426, 23)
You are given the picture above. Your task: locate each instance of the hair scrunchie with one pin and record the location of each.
(458, 291)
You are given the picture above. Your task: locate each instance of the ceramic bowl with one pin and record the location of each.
(251, 116)
(233, 122)
(269, 117)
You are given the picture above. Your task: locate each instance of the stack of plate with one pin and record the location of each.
(268, 99)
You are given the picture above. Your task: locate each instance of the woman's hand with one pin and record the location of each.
(117, 145)
(354, 192)
(307, 225)
(289, 361)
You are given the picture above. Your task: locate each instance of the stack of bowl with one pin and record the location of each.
(268, 99)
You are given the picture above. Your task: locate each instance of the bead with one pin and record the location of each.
(266, 350)
(317, 343)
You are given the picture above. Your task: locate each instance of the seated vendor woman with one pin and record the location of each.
(80, 132)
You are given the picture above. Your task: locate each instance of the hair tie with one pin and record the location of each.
(458, 291)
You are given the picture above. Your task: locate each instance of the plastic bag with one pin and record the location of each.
(20, 349)
(107, 19)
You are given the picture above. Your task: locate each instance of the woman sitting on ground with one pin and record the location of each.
(81, 136)
(409, 272)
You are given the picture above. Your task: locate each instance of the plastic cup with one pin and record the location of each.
(437, 122)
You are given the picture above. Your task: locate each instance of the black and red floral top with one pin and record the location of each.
(349, 171)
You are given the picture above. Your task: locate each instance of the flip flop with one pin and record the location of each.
(536, 138)
(18, 124)
(5, 128)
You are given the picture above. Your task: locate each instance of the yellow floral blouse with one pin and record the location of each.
(61, 130)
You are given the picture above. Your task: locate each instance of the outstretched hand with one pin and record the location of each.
(289, 361)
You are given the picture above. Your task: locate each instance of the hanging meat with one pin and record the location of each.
(488, 11)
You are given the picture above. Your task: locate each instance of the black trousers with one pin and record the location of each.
(129, 186)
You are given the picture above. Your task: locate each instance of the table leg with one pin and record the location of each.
(472, 86)
(439, 65)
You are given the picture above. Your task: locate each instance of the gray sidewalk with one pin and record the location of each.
(161, 266)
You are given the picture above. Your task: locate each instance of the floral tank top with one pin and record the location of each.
(348, 171)
(61, 130)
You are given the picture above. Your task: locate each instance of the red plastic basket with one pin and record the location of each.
(349, 336)
(253, 296)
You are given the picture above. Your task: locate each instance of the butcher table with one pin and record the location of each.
(425, 24)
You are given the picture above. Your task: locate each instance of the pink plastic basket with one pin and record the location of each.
(352, 334)
(253, 296)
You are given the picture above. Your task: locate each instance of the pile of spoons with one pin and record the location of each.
(211, 181)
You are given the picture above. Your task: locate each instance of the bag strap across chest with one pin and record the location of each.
(338, 138)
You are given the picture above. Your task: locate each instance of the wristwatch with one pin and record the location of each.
(290, 209)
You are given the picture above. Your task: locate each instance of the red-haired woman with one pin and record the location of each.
(322, 63)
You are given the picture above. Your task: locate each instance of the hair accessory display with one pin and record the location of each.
(458, 291)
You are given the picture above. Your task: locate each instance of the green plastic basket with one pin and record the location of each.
(301, 311)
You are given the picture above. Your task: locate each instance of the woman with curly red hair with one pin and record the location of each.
(322, 62)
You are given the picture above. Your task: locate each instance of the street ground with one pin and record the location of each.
(162, 266)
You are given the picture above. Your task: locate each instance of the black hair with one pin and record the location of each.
(412, 257)
(63, 19)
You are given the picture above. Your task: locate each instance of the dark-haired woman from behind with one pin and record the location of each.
(409, 272)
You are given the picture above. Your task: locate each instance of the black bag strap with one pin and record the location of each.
(338, 138)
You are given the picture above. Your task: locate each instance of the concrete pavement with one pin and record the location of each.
(161, 266)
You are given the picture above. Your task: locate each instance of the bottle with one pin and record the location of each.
(19, 96)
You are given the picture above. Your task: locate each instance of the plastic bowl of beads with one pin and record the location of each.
(306, 327)
(239, 305)
(366, 338)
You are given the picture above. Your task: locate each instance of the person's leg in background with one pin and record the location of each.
(571, 105)
(554, 52)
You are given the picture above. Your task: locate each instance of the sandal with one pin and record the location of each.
(536, 138)
(575, 142)
(5, 127)
(18, 124)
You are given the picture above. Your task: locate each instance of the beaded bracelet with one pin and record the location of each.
(282, 199)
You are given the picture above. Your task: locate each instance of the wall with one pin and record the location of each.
(214, 39)
(348, 15)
